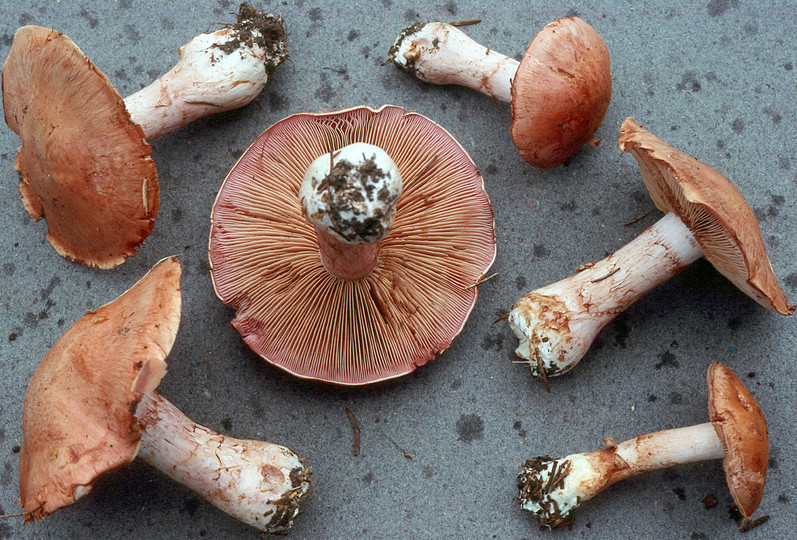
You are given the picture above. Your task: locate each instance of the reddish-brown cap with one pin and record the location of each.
(742, 431)
(78, 420)
(84, 165)
(265, 259)
(560, 92)
(712, 208)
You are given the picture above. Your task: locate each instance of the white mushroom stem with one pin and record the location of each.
(440, 53)
(256, 482)
(217, 71)
(551, 489)
(557, 323)
(350, 197)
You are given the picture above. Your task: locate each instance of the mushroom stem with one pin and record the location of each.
(350, 197)
(257, 482)
(345, 260)
(440, 53)
(217, 71)
(551, 489)
(557, 323)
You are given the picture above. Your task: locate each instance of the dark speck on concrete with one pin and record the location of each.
(177, 214)
(520, 282)
(167, 24)
(775, 117)
(470, 427)
(451, 7)
(410, 15)
(784, 499)
(8, 39)
(737, 126)
(773, 463)
(491, 169)
(778, 200)
(132, 34)
(315, 14)
(517, 426)
(493, 343)
(689, 82)
(325, 91)
(93, 21)
(680, 493)
(720, 144)
(9, 269)
(652, 398)
(791, 280)
(456, 384)
(735, 323)
(572, 12)
(277, 101)
(121, 75)
(676, 398)
(125, 4)
(428, 471)
(46, 292)
(788, 66)
(699, 536)
(750, 28)
(667, 359)
(25, 18)
(226, 424)
(540, 251)
(368, 478)
(717, 8)
(783, 163)
(569, 206)
(353, 34)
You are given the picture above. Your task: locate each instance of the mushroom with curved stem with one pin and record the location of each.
(552, 489)
(84, 163)
(559, 91)
(91, 408)
(706, 216)
(302, 245)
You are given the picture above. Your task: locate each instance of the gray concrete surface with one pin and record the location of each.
(441, 448)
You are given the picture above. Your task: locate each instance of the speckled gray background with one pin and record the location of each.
(715, 78)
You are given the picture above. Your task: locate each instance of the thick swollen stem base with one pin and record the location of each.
(556, 324)
(343, 260)
(256, 482)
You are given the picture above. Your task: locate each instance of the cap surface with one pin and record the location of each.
(742, 430)
(265, 258)
(84, 165)
(78, 420)
(712, 208)
(560, 93)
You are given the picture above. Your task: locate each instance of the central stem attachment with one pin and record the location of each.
(350, 197)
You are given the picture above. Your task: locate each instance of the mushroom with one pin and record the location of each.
(91, 408)
(552, 489)
(559, 91)
(301, 244)
(84, 162)
(706, 216)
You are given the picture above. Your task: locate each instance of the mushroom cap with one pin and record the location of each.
(712, 208)
(742, 431)
(79, 418)
(560, 93)
(84, 165)
(265, 259)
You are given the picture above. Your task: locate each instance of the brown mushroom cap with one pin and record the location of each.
(742, 431)
(78, 420)
(265, 259)
(712, 208)
(560, 93)
(84, 165)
